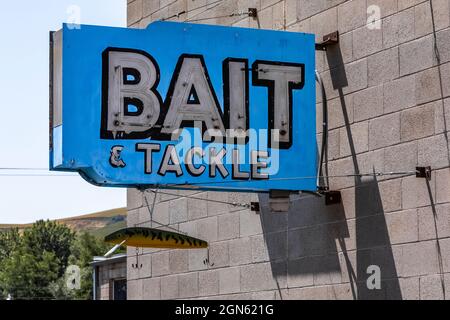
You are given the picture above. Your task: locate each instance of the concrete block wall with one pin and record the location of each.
(388, 92)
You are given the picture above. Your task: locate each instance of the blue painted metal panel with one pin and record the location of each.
(82, 149)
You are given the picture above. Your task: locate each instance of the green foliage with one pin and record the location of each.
(33, 265)
(26, 276)
(9, 241)
(50, 236)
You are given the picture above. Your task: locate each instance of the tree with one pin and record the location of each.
(49, 236)
(26, 276)
(9, 242)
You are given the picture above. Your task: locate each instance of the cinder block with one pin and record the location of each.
(445, 250)
(178, 261)
(249, 223)
(277, 243)
(161, 14)
(372, 161)
(355, 139)
(264, 295)
(387, 7)
(417, 122)
(441, 15)
(324, 23)
(299, 26)
(300, 273)
(383, 66)
(197, 257)
(399, 94)
(197, 208)
(423, 19)
(260, 253)
(161, 213)
(402, 157)
(333, 144)
(306, 9)
(391, 194)
(189, 228)
(368, 103)
(188, 285)
(228, 226)
(366, 41)
(194, 4)
(134, 199)
(134, 12)
(261, 276)
(415, 192)
(175, 8)
(431, 222)
(150, 6)
(398, 28)
(215, 208)
(433, 151)
(428, 86)
(445, 79)
(356, 73)
(403, 4)
(151, 288)
(351, 15)
(384, 131)
(431, 287)
(208, 283)
(265, 17)
(278, 22)
(310, 293)
(441, 115)
(134, 290)
(178, 210)
(307, 242)
(443, 45)
(443, 186)
(416, 55)
(240, 251)
(337, 171)
(418, 259)
(340, 112)
(169, 287)
(402, 226)
(326, 270)
(291, 11)
(160, 263)
(229, 280)
(409, 288)
(207, 229)
(218, 254)
(132, 217)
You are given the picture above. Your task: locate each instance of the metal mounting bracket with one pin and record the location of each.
(328, 40)
(331, 196)
(254, 206)
(252, 12)
(423, 172)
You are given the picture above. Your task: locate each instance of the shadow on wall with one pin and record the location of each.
(323, 247)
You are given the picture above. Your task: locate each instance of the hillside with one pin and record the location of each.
(98, 223)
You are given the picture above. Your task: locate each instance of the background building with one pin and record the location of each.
(387, 86)
(109, 277)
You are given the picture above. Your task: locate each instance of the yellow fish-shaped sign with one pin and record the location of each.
(154, 238)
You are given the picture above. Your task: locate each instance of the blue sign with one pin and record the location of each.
(182, 105)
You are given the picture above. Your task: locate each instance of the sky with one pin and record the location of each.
(28, 195)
